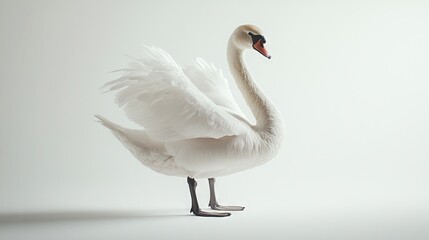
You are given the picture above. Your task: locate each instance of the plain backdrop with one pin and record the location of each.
(350, 78)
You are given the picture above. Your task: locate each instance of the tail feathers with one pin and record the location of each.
(137, 138)
(108, 124)
(151, 153)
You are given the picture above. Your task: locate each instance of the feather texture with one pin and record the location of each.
(157, 94)
(210, 80)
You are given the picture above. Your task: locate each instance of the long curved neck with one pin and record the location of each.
(266, 115)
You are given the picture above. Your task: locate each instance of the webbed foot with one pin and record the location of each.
(218, 207)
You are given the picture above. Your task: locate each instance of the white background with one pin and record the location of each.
(350, 77)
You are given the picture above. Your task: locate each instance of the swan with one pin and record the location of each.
(193, 127)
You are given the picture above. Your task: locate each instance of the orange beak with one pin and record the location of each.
(259, 46)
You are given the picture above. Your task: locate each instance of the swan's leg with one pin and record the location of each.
(195, 207)
(213, 202)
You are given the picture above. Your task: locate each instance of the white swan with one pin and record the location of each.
(192, 124)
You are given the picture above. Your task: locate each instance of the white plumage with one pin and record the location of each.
(192, 124)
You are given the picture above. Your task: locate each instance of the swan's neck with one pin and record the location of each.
(268, 119)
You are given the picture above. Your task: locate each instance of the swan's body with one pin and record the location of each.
(192, 124)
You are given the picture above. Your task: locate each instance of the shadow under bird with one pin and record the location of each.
(192, 125)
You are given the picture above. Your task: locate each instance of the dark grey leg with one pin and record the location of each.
(213, 202)
(196, 208)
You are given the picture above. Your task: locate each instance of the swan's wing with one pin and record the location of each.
(157, 95)
(210, 80)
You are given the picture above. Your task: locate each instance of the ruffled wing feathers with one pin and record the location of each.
(156, 94)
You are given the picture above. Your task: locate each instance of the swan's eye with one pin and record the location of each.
(256, 38)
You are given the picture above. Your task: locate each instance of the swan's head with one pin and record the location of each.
(250, 37)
